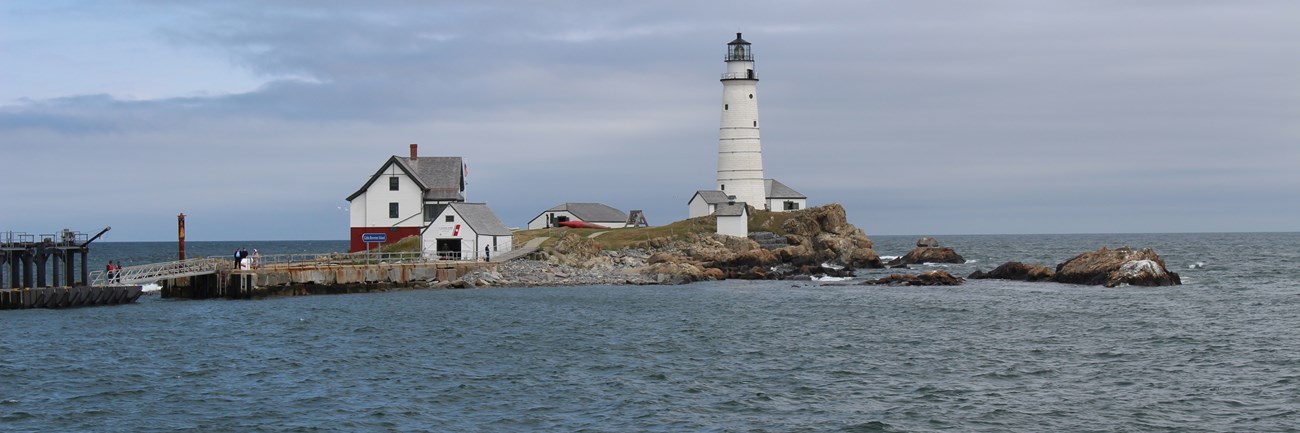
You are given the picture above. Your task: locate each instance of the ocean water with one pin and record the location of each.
(1216, 354)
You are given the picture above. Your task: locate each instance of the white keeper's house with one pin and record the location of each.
(409, 194)
(595, 213)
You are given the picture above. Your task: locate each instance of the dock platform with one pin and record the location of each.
(300, 279)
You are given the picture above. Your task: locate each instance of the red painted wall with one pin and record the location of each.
(394, 234)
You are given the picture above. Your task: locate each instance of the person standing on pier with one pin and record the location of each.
(108, 272)
(117, 271)
(487, 253)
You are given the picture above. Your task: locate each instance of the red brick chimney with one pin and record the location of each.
(413, 153)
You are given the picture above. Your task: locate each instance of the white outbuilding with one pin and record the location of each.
(467, 231)
(781, 198)
(733, 219)
(705, 202)
(594, 213)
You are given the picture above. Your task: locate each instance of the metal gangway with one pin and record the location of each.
(153, 272)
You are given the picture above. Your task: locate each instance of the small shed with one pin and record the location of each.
(467, 231)
(733, 219)
(594, 213)
(782, 198)
(705, 202)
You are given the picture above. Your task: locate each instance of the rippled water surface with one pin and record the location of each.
(1217, 354)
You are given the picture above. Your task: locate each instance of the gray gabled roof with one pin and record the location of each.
(711, 196)
(480, 218)
(775, 189)
(591, 212)
(440, 177)
(731, 209)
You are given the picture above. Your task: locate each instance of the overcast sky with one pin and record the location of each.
(258, 119)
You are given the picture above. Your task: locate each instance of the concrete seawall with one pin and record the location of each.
(316, 279)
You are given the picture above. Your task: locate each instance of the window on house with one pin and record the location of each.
(392, 183)
(725, 106)
(791, 205)
(392, 210)
(451, 218)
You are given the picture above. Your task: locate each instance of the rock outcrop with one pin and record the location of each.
(932, 278)
(828, 237)
(929, 255)
(818, 241)
(928, 251)
(1016, 271)
(573, 250)
(1115, 267)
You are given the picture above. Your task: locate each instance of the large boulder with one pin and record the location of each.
(932, 278)
(1016, 271)
(927, 242)
(1115, 267)
(928, 255)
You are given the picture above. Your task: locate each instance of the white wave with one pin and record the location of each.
(151, 287)
(935, 265)
(831, 266)
(1197, 265)
(972, 261)
(830, 278)
(887, 258)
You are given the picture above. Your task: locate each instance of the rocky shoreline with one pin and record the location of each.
(814, 243)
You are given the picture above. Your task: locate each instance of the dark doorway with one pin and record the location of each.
(448, 249)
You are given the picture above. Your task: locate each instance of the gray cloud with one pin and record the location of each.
(921, 117)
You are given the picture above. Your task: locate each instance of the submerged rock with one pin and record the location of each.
(1016, 271)
(1115, 267)
(932, 278)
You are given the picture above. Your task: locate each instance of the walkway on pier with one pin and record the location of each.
(142, 274)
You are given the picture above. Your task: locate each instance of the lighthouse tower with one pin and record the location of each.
(740, 156)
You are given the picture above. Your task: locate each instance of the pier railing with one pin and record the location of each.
(132, 275)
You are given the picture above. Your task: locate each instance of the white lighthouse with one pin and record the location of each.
(740, 156)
